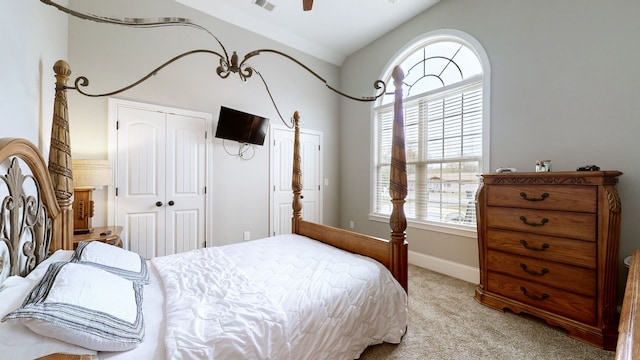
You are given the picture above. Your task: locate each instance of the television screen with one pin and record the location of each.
(241, 127)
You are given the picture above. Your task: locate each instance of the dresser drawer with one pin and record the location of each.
(555, 223)
(552, 197)
(548, 245)
(561, 276)
(573, 306)
(568, 251)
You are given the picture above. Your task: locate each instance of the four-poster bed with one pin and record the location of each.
(52, 230)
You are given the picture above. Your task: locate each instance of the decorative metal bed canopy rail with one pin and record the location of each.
(228, 64)
(60, 153)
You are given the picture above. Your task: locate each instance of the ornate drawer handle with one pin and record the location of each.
(541, 273)
(541, 223)
(544, 247)
(533, 297)
(542, 197)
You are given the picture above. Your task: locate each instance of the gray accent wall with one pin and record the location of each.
(564, 86)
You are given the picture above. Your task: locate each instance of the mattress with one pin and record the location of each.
(321, 302)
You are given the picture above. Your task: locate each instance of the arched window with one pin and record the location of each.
(446, 129)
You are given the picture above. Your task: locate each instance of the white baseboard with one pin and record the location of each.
(446, 267)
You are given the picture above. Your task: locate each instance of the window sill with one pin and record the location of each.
(464, 231)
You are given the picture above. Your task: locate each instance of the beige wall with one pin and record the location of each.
(32, 38)
(564, 87)
(114, 56)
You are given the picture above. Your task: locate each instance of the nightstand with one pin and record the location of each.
(112, 238)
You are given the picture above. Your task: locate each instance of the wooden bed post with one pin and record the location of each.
(392, 253)
(60, 160)
(296, 176)
(398, 187)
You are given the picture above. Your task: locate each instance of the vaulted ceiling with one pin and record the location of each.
(331, 31)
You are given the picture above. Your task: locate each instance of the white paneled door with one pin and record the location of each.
(161, 176)
(282, 160)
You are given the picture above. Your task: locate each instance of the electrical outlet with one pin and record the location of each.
(352, 225)
(246, 235)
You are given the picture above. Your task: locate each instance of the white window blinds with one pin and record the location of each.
(443, 140)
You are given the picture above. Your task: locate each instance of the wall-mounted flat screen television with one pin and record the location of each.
(241, 127)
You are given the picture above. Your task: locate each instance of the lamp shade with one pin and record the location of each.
(91, 172)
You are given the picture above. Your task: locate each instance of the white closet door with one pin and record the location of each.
(141, 181)
(311, 190)
(161, 177)
(282, 160)
(185, 201)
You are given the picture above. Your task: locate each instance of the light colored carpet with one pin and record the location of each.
(445, 322)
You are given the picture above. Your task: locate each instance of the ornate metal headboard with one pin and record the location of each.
(29, 208)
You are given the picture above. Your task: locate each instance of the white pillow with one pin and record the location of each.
(113, 259)
(59, 255)
(85, 306)
(18, 340)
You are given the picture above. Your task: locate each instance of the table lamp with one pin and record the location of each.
(87, 175)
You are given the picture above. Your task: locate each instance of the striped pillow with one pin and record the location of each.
(85, 306)
(113, 259)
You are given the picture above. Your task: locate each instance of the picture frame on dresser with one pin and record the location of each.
(548, 246)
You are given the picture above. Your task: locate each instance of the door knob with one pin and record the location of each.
(158, 203)
(301, 196)
(170, 203)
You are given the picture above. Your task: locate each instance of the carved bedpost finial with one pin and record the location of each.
(63, 72)
(60, 156)
(398, 172)
(398, 183)
(296, 176)
(60, 150)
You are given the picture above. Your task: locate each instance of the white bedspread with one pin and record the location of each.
(214, 312)
(304, 300)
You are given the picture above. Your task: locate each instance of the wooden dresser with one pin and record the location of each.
(548, 246)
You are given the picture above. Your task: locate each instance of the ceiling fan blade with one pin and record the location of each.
(307, 4)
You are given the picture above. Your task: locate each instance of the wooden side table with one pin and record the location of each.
(113, 238)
